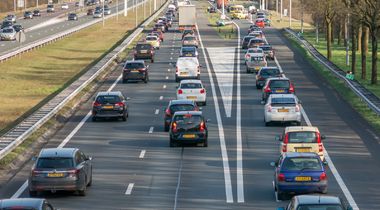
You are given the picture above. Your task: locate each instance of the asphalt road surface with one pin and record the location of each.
(134, 167)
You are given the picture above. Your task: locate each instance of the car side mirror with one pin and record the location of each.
(128, 98)
(208, 120)
(200, 108)
(323, 137)
(274, 164)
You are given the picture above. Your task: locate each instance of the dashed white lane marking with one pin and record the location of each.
(171, 58)
(157, 111)
(167, 77)
(31, 36)
(151, 129)
(2, 45)
(164, 86)
(161, 97)
(142, 154)
(171, 53)
(168, 69)
(129, 188)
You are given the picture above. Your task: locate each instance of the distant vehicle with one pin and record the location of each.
(253, 28)
(135, 70)
(6, 24)
(36, 13)
(160, 26)
(299, 173)
(188, 52)
(221, 22)
(26, 203)
(260, 16)
(18, 27)
(64, 6)
(28, 15)
(154, 41)
(267, 22)
(176, 106)
(187, 68)
(77, 4)
(265, 73)
(8, 34)
(245, 41)
(187, 31)
(12, 18)
(277, 85)
(159, 34)
(72, 16)
(187, 17)
(107, 11)
(254, 63)
(190, 40)
(253, 52)
(50, 8)
(257, 34)
(320, 202)
(110, 105)
(192, 90)
(260, 23)
(211, 10)
(90, 12)
(144, 51)
(60, 169)
(268, 51)
(255, 42)
(98, 14)
(283, 108)
(188, 127)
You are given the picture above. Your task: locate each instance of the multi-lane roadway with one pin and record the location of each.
(134, 167)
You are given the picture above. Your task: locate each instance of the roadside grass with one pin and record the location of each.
(277, 22)
(32, 78)
(340, 87)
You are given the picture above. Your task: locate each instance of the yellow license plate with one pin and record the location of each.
(55, 174)
(257, 68)
(280, 91)
(188, 136)
(303, 178)
(188, 54)
(303, 150)
(107, 107)
(191, 97)
(135, 71)
(183, 73)
(283, 110)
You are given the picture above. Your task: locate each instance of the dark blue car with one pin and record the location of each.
(299, 173)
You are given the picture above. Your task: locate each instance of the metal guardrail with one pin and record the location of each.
(371, 99)
(23, 130)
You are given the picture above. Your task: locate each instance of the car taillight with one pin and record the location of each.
(174, 127)
(180, 91)
(284, 148)
(297, 108)
(281, 177)
(320, 147)
(323, 176)
(202, 91)
(202, 127)
(291, 88)
(286, 138)
(142, 70)
(73, 172)
(36, 172)
(119, 105)
(176, 69)
(269, 108)
(96, 104)
(247, 56)
(168, 113)
(267, 89)
(318, 136)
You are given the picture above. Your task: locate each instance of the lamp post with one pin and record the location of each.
(290, 13)
(103, 14)
(125, 8)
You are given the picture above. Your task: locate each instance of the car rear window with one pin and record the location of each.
(283, 101)
(108, 99)
(189, 38)
(181, 107)
(255, 51)
(8, 30)
(256, 41)
(319, 207)
(151, 38)
(269, 72)
(266, 48)
(279, 84)
(191, 86)
(188, 119)
(302, 137)
(55, 162)
(133, 65)
(187, 50)
(143, 46)
(302, 163)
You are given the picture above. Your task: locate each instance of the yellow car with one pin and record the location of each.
(302, 139)
(154, 41)
(238, 15)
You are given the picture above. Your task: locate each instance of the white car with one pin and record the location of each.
(8, 34)
(98, 14)
(253, 52)
(65, 6)
(154, 41)
(282, 108)
(12, 18)
(187, 68)
(192, 90)
(172, 7)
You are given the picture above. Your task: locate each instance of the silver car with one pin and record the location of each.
(282, 108)
(190, 41)
(26, 203)
(56, 169)
(8, 34)
(254, 63)
(11, 18)
(98, 14)
(107, 11)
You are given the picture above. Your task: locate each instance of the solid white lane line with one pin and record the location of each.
(157, 111)
(142, 154)
(65, 141)
(129, 188)
(151, 129)
(161, 97)
(164, 86)
(226, 166)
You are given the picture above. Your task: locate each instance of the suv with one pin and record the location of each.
(50, 8)
(187, 68)
(110, 104)
(321, 202)
(144, 51)
(135, 70)
(188, 127)
(277, 85)
(60, 169)
(175, 106)
(265, 73)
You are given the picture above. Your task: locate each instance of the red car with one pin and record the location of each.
(260, 23)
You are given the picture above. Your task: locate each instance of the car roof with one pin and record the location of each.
(109, 93)
(21, 202)
(189, 47)
(301, 128)
(282, 96)
(300, 154)
(135, 61)
(188, 112)
(186, 81)
(183, 101)
(57, 152)
(278, 78)
(187, 58)
(270, 67)
(317, 199)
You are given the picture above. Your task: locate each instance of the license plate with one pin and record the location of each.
(55, 174)
(188, 136)
(303, 150)
(303, 178)
(183, 73)
(107, 107)
(191, 97)
(188, 54)
(283, 110)
(257, 68)
(280, 91)
(144, 51)
(135, 71)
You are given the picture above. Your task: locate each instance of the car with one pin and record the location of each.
(160, 26)
(164, 21)
(64, 6)
(107, 11)
(192, 90)
(77, 4)
(254, 63)
(302, 139)
(144, 51)
(299, 173)
(277, 85)
(28, 15)
(50, 8)
(253, 28)
(260, 23)
(257, 34)
(26, 203)
(260, 16)
(8, 34)
(188, 127)
(187, 31)
(190, 40)
(72, 16)
(239, 15)
(283, 108)
(11, 17)
(154, 41)
(253, 52)
(60, 169)
(18, 27)
(265, 73)
(135, 70)
(268, 50)
(212, 10)
(267, 22)
(36, 12)
(159, 34)
(90, 12)
(187, 68)
(188, 52)
(320, 202)
(245, 42)
(221, 22)
(110, 105)
(6, 24)
(175, 106)
(255, 42)
(97, 14)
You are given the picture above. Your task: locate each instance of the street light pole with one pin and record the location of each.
(15, 5)
(125, 8)
(136, 13)
(290, 13)
(117, 10)
(281, 10)
(277, 6)
(301, 16)
(144, 8)
(103, 14)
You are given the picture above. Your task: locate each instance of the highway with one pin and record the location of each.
(134, 167)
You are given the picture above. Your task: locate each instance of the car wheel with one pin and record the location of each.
(257, 86)
(172, 143)
(205, 144)
(248, 71)
(176, 79)
(146, 79)
(166, 128)
(82, 192)
(152, 60)
(94, 119)
(33, 193)
(280, 195)
(124, 118)
(267, 124)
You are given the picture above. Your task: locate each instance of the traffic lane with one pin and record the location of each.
(349, 137)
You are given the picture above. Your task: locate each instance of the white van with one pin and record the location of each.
(187, 68)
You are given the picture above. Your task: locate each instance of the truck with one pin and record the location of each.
(187, 16)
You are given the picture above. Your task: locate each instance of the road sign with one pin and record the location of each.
(20, 37)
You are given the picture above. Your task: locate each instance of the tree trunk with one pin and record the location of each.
(345, 28)
(353, 49)
(364, 51)
(340, 31)
(332, 33)
(328, 38)
(374, 55)
(359, 41)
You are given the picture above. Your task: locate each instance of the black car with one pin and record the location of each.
(245, 42)
(36, 13)
(6, 24)
(110, 105)
(26, 203)
(190, 51)
(265, 73)
(144, 51)
(175, 106)
(277, 85)
(188, 127)
(320, 202)
(268, 51)
(18, 27)
(212, 10)
(72, 16)
(135, 70)
(28, 15)
(186, 32)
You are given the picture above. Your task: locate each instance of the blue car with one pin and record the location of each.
(299, 173)
(320, 202)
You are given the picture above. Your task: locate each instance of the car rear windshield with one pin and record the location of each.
(187, 50)
(191, 86)
(189, 38)
(266, 48)
(319, 207)
(134, 65)
(55, 162)
(302, 137)
(283, 101)
(143, 46)
(269, 72)
(279, 84)
(50, 6)
(302, 163)
(256, 41)
(254, 51)
(108, 99)
(181, 107)
(8, 30)
(151, 38)
(188, 119)
(247, 38)
(257, 58)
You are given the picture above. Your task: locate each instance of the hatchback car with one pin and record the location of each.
(192, 90)
(260, 23)
(98, 14)
(188, 127)
(107, 11)
(56, 169)
(36, 13)
(268, 50)
(257, 34)
(72, 16)
(302, 139)
(277, 85)
(187, 68)
(254, 63)
(135, 70)
(25, 204)
(159, 34)
(187, 31)
(253, 52)
(265, 73)
(90, 12)
(28, 15)
(318, 202)
(18, 27)
(144, 51)
(177, 106)
(299, 173)
(64, 6)
(11, 17)
(154, 41)
(8, 34)
(189, 40)
(282, 108)
(188, 52)
(255, 42)
(110, 105)
(6, 24)
(253, 28)
(245, 41)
